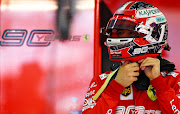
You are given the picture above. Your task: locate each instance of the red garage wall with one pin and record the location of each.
(49, 79)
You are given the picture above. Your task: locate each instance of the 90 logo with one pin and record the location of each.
(17, 37)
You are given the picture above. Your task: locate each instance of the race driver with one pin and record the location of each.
(141, 81)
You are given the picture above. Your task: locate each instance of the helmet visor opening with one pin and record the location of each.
(117, 27)
(121, 24)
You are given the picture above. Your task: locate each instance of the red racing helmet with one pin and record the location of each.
(150, 26)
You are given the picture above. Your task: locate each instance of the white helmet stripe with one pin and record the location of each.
(124, 6)
(117, 41)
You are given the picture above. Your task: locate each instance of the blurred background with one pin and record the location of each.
(51, 49)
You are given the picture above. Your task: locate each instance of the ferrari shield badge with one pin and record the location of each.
(151, 93)
(86, 38)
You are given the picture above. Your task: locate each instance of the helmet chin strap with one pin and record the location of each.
(143, 82)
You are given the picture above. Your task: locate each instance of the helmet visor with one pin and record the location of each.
(121, 24)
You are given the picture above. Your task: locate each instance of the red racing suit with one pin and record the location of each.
(119, 100)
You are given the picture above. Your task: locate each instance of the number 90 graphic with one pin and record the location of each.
(17, 37)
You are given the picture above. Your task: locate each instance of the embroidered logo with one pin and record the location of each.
(151, 93)
(103, 76)
(126, 91)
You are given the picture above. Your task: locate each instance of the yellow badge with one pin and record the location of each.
(151, 93)
(126, 91)
(86, 37)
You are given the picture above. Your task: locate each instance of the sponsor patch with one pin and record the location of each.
(161, 19)
(174, 74)
(88, 103)
(174, 107)
(164, 73)
(92, 85)
(151, 93)
(90, 93)
(135, 110)
(126, 91)
(130, 19)
(103, 76)
(148, 13)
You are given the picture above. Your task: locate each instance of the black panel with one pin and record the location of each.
(105, 15)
